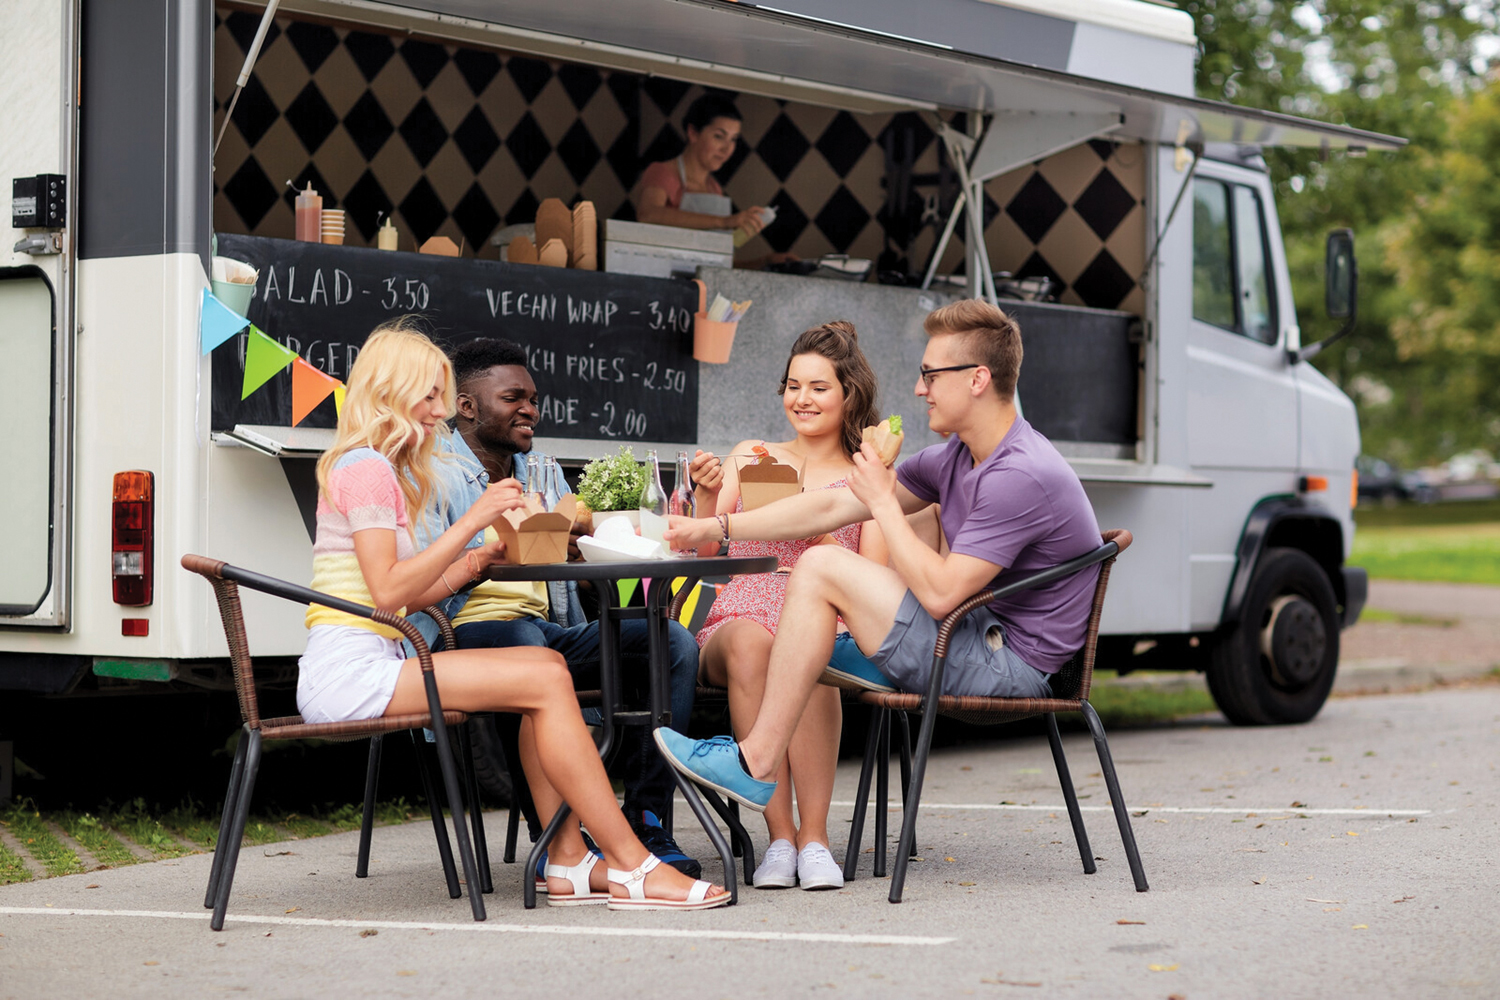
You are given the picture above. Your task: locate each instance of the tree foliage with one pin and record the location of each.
(1408, 69)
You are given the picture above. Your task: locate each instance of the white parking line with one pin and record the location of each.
(489, 928)
(1218, 811)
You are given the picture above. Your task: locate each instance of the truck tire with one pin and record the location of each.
(490, 766)
(1277, 664)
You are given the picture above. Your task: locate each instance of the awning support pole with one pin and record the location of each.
(244, 78)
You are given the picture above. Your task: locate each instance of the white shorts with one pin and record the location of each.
(347, 673)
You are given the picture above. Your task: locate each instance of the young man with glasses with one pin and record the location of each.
(1008, 501)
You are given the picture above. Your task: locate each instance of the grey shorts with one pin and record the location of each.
(973, 668)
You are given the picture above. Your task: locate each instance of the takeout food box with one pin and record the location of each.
(534, 535)
(766, 480)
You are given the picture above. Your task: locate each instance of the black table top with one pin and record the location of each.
(650, 569)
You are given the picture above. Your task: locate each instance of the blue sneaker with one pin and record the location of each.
(660, 843)
(715, 764)
(849, 668)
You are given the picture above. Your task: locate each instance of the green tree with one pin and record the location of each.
(1393, 68)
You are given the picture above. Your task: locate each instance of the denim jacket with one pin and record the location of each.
(461, 481)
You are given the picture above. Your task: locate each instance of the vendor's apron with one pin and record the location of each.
(702, 201)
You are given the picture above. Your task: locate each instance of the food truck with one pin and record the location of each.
(1051, 157)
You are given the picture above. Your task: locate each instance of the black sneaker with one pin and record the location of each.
(660, 843)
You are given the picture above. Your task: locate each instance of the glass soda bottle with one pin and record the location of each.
(653, 497)
(683, 503)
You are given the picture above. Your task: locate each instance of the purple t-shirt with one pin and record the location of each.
(1023, 509)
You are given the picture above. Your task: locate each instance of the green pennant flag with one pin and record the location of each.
(263, 359)
(627, 590)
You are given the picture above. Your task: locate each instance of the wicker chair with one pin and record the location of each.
(1071, 689)
(226, 581)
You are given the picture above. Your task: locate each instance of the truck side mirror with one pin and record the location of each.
(1340, 292)
(1341, 277)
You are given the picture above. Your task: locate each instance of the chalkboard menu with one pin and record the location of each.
(611, 353)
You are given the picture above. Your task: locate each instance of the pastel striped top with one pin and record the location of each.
(362, 492)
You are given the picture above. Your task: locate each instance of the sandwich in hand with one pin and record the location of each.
(885, 437)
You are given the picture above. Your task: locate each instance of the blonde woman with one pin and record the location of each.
(374, 483)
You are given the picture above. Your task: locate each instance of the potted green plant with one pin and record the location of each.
(613, 485)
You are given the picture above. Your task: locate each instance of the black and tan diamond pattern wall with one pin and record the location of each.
(460, 141)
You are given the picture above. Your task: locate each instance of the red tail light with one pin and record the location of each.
(131, 539)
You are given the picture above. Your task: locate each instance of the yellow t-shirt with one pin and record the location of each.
(494, 600)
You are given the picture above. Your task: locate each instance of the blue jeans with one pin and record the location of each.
(647, 777)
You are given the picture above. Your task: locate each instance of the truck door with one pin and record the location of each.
(38, 72)
(1242, 399)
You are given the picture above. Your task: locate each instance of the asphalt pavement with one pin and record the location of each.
(1354, 855)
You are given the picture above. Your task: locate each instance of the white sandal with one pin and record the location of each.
(582, 894)
(635, 884)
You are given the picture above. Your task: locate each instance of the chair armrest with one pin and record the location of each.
(217, 569)
(1108, 550)
(680, 598)
(445, 627)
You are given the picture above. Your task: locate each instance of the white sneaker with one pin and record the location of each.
(778, 869)
(816, 868)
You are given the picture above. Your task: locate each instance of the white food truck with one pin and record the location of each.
(1184, 401)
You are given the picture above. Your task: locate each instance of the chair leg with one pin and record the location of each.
(435, 807)
(528, 877)
(1122, 816)
(913, 801)
(476, 811)
(905, 760)
(882, 790)
(460, 831)
(367, 821)
(905, 732)
(741, 846)
(734, 845)
(512, 831)
(230, 845)
(1070, 796)
(236, 775)
(862, 797)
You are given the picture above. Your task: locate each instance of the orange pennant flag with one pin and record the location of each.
(309, 388)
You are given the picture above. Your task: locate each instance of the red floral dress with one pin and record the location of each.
(759, 596)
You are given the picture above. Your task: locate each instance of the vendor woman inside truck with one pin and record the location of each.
(682, 191)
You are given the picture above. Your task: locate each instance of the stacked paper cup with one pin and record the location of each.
(333, 225)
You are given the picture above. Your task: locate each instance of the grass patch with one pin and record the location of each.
(1128, 705)
(1418, 515)
(12, 868)
(97, 840)
(186, 823)
(138, 825)
(29, 828)
(303, 827)
(1449, 553)
(1402, 618)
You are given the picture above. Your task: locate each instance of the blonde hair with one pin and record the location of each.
(395, 370)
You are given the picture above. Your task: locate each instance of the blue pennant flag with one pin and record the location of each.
(218, 322)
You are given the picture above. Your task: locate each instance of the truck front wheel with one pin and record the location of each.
(1277, 664)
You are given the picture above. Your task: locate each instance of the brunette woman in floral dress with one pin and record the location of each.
(828, 393)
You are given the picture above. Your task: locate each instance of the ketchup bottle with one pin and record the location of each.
(310, 215)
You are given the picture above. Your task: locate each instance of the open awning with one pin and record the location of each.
(792, 56)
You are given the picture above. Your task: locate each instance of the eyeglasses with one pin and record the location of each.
(929, 373)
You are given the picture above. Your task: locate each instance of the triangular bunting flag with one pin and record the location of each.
(627, 590)
(339, 392)
(309, 388)
(263, 359)
(217, 322)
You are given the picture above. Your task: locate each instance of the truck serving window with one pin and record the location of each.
(1231, 261)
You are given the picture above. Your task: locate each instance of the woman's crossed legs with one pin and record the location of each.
(557, 753)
